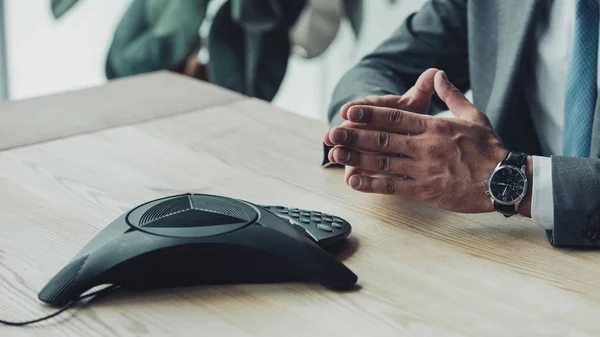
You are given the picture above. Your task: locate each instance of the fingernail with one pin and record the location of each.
(355, 115)
(355, 181)
(344, 155)
(339, 135)
(444, 76)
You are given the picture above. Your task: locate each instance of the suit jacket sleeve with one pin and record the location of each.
(576, 196)
(434, 36)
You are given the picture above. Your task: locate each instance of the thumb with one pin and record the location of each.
(458, 104)
(418, 98)
(424, 87)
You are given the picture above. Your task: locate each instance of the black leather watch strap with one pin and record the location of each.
(506, 210)
(515, 159)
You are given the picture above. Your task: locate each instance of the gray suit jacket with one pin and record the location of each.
(482, 45)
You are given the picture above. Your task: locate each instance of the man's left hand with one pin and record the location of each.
(442, 161)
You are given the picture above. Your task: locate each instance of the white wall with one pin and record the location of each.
(47, 56)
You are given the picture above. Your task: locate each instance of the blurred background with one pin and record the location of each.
(53, 46)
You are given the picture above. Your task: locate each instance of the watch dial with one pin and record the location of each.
(507, 184)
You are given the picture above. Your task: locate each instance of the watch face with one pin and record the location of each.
(507, 185)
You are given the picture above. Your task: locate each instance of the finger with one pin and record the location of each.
(424, 88)
(350, 171)
(373, 141)
(330, 157)
(389, 118)
(375, 162)
(329, 141)
(456, 101)
(345, 124)
(387, 185)
(333, 159)
(390, 101)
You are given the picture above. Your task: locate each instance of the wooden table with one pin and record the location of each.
(71, 163)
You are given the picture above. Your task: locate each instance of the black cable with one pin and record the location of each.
(62, 309)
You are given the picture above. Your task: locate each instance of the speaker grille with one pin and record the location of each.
(165, 209)
(221, 206)
(192, 215)
(57, 290)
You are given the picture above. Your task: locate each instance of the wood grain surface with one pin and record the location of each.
(422, 271)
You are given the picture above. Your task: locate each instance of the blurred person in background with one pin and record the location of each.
(245, 48)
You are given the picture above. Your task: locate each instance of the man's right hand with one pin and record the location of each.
(416, 99)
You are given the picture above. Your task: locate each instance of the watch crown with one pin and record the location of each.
(492, 171)
(487, 193)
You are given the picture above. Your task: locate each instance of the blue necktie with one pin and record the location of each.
(581, 84)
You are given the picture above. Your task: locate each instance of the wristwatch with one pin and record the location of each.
(507, 184)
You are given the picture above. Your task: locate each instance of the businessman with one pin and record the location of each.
(529, 143)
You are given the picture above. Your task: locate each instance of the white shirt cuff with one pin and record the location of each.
(542, 202)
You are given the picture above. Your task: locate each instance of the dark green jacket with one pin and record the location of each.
(151, 35)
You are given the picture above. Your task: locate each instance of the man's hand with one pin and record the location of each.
(442, 161)
(416, 99)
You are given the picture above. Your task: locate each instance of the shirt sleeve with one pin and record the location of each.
(542, 203)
